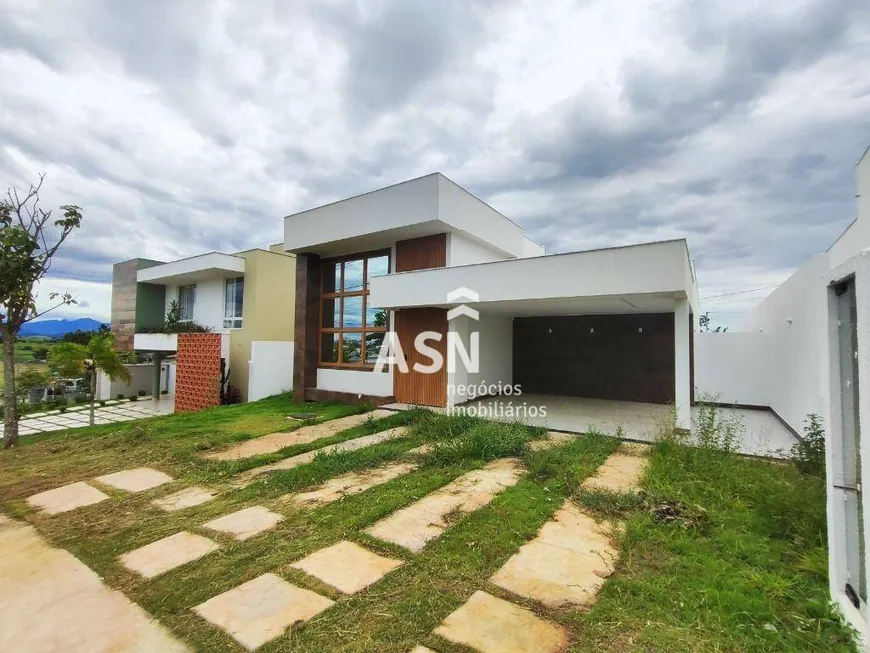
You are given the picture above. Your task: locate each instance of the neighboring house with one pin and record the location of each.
(246, 297)
(613, 323)
(806, 349)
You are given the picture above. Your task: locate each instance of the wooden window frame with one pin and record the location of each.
(338, 295)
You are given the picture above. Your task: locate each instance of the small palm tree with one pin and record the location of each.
(73, 359)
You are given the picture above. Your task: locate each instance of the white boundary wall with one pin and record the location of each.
(142, 377)
(270, 369)
(733, 368)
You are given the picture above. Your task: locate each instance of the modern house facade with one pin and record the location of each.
(805, 349)
(427, 257)
(246, 297)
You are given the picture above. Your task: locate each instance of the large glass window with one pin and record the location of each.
(234, 293)
(351, 331)
(186, 302)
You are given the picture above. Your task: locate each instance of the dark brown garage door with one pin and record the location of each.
(621, 357)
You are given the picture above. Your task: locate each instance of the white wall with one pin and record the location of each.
(462, 210)
(463, 250)
(857, 237)
(793, 316)
(495, 335)
(379, 384)
(208, 309)
(531, 248)
(142, 377)
(270, 370)
(733, 368)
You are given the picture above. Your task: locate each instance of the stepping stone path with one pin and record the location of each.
(567, 563)
(414, 526)
(246, 523)
(553, 439)
(347, 445)
(492, 625)
(349, 484)
(277, 441)
(260, 610)
(66, 498)
(621, 472)
(186, 498)
(52, 602)
(170, 552)
(135, 480)
(347, 566)
(422, 649)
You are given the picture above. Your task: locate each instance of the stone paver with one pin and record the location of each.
(170, 552)
(186, 498)
(66, 498)
(348, 484)
(52, 603)
(492, 625)
(347, 445)
(414, 526)
(303, 435)
(567, 563)
(421, 649)
(260, 610)
(553, 439)
(135, 480)
(621, 472)
(77, 416)
(347, 566)
(246, 523)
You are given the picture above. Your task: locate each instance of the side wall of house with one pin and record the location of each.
(267, 313)
(733, 368)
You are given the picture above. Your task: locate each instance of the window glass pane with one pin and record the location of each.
(186, 301)
(329, 347)
(330, 310)
(376, 317)
(353, 276)
(331, 277)
(240, 295)
(373, 346)
(351, 348)
(352, 317)
(378, 266)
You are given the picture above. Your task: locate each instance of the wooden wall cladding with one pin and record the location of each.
(415, 387)
(198, 371)
(621, 357)
(421, 253)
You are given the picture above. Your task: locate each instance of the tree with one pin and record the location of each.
(28, 242)
(706, 326)
(73, 359)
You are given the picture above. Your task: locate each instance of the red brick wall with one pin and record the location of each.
(198, 371)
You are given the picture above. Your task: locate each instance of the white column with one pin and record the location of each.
(682, 374)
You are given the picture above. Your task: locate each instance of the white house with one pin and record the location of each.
(614, 324)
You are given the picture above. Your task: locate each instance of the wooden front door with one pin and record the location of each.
(416, 387)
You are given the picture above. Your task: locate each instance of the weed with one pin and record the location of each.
(483, 441)
(809, 453)
(716, 430)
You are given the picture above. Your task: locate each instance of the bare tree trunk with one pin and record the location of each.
(93, 392)
(10, 408)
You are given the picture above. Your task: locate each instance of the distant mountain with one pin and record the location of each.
(57, 328)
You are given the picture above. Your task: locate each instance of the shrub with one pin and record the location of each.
(133, 398)
(715, 431)
(102, 402)
(119, 396)
(61, 409)
(164, 392)
(809, 453)
(142, 393)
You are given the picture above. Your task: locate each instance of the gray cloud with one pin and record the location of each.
(183, 127)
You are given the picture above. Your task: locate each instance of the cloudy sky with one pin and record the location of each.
(182, 126)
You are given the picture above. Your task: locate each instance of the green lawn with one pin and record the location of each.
(741, 568)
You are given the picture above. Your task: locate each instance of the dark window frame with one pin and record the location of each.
(338, 295)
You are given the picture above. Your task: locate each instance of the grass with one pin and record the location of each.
(740, 565)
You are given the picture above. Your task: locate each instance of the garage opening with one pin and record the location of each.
(619, 357)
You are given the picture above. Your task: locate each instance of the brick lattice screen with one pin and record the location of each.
(198, 371)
